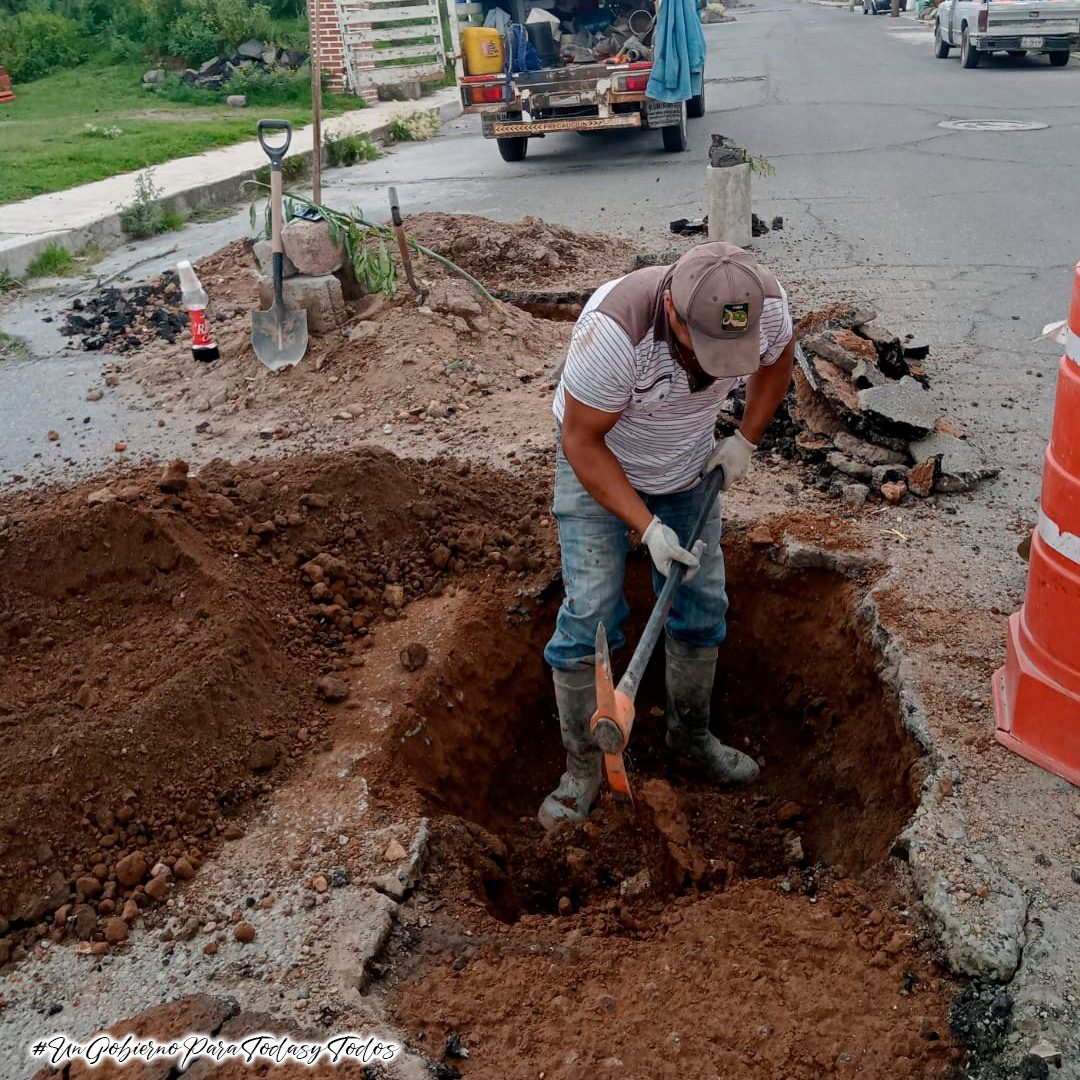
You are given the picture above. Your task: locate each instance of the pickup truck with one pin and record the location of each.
(1017, 27)
(599, 95)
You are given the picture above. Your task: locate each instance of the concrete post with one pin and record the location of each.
(727, 193)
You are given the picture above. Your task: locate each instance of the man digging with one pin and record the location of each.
(653, 356)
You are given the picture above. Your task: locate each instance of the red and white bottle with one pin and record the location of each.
(203, 346)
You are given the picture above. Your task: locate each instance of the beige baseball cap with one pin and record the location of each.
(718, 292)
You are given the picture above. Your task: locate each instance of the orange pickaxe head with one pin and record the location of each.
(613, 719)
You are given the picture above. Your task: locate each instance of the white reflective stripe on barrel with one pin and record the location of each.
(1064, 543)
(1072, 345)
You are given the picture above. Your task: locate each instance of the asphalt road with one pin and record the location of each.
(962, 237)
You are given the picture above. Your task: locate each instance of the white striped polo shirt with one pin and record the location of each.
(665, 433)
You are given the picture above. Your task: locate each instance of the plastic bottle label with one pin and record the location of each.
(200, 335)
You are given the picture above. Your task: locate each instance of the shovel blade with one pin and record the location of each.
(279, 336)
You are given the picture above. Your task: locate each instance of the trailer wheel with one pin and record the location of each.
(675, 134)
(513, 149)
(969, 55)
(941, 46)
(1059, 59)
(695, 107)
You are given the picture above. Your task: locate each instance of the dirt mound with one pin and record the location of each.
(526, 255)
(168, 639)
(390, 362)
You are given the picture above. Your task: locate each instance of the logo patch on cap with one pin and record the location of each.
(735, 317)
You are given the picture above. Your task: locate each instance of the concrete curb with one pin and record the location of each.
(102, 227)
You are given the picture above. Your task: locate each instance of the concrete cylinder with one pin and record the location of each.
(727, 193)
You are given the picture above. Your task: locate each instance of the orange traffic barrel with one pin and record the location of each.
(1037, 692)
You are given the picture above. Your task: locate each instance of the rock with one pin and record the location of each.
(413, 657)
(131, 869)
(566, 905)
(319, 883)
(153, 76)
(761, 536)
(455, 298)
(1046, 1051)
(853, 494)
(339, 877)
(865, 374)
(921, 477)
(394, 595)
(262, 756)
(102, 495)
(174, 479)
(471, 538)
(394, 852)
(961, 464)
(244, 932)
(892, 491)
(362, 331)
(87, 887)
(311, 249)
(321, 297)
(441, 556)
(236, 101)
(861, 450)
(263, 250)
(251, 49)
(788, 812)
(83, 920)
(855, 469)
(903, 408)
(331, 688)
(95, 394)
(437, 410)
(115, 929)
(183, 869)
(636, 885)
(157, 888)
(840, 347)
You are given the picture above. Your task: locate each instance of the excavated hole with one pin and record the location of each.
(799, 687)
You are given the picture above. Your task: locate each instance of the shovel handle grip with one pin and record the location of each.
(274, 151)
(628, 684)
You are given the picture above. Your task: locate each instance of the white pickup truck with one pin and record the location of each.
(1017, 27)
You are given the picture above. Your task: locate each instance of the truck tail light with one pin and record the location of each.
(635, 84)
(483, 95)
(984, 18)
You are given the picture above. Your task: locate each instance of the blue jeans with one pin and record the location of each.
(594, 544)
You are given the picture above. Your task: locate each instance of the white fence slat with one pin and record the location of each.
(403, 52)
(405, 33)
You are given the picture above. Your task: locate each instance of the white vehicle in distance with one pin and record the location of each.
(1016, 27)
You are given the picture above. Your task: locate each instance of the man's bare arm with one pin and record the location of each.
(765, 389)
(597, 467)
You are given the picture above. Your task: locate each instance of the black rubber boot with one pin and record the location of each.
(575, 695)
(690, 675)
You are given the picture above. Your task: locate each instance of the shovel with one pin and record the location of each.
(614, 716)
(279, 335)
(403, 248)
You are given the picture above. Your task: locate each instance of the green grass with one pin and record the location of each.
(54, 261)
(43, 148)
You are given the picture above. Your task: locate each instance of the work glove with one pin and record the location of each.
(665, 549)
(734, 455)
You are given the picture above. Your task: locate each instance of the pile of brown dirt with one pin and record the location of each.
(164, 651)
(390, 363)
(526, 255)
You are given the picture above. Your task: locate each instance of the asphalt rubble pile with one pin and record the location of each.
(216, 72)
(861, 416)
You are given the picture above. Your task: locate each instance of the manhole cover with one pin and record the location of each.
(993, 125)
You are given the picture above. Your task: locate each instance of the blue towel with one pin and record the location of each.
(679, 45)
